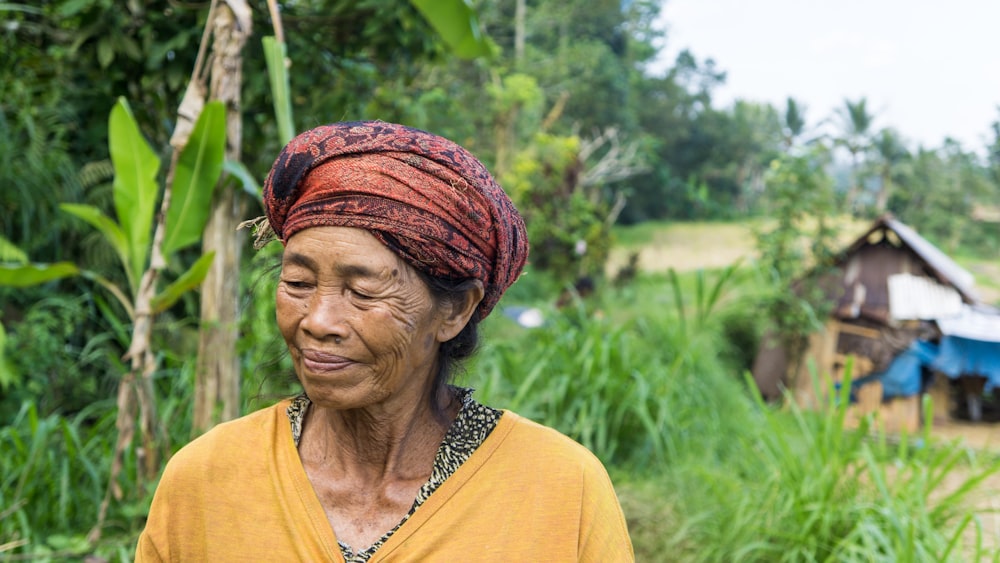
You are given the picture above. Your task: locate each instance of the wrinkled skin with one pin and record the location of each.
(361, 326)
(363, 331)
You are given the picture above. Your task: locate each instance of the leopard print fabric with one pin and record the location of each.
(472, 426)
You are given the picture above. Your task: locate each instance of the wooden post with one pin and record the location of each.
(819, 354)
(940, 393)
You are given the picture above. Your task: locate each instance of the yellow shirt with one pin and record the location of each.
(528, 493)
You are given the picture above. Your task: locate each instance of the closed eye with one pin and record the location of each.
(360, 295)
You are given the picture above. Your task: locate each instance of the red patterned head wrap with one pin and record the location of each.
(426, 198)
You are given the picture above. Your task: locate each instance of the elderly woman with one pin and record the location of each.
(397, 244)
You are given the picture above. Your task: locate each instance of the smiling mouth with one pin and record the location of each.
(315, 360)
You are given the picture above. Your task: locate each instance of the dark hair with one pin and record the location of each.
(452, 353)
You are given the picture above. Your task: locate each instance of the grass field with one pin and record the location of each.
(691, 246)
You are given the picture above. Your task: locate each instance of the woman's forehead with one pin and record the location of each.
(345, 250)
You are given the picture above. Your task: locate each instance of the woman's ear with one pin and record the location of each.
(458, 311)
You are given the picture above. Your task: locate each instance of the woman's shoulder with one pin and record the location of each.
(546, 446)
(235, 441)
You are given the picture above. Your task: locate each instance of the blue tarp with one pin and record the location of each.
(964, 356)
(903, 378)
(954, 357)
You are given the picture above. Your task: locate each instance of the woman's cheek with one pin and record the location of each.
(286, 310)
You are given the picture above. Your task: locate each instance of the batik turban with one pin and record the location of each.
(426, 198)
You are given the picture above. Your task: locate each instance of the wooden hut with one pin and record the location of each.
(888, 289)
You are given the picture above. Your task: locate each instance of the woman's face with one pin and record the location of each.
(361, 326)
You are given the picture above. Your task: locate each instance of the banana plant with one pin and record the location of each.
(136, 190)
(145, 241)
(184, 208)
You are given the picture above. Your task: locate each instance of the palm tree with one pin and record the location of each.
(794, 122)
(855, 125)
(892, 154)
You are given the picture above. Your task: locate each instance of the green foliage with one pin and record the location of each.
(799, 249)
(198, 169)
(135, 188)
(570, 236)
(516, 91)
(794, 122)
(186, 282)
(267, 372)
(822, 492)
(706, 298)
(112, 232)
(275, 54)
(615, 386)
(9, 253)
(8, 375)
(939, 194)
(63, 357)
(54, 473)
(798, 486)
(36, 172)
(457, 24)
(25, 275)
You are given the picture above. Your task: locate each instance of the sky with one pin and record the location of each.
(929, 69)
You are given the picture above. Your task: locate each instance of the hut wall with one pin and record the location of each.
(826, 358)
(866, 287)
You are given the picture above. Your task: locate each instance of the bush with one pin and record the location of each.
(65, 355)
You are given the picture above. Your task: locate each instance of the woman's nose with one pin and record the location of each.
(325, 316)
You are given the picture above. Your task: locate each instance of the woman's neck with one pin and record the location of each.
(377, 444)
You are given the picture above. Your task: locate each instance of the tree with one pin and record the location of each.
(891, 154)
(793, 123)
(798, 249)
(569, 235)
(938, 192)
(677, 124)
(855, 123)
(993, 151)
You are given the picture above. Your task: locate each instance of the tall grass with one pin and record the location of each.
(804, 488)
(54, 473)
(616, 388)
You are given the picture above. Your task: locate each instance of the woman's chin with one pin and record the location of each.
(339, 393)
